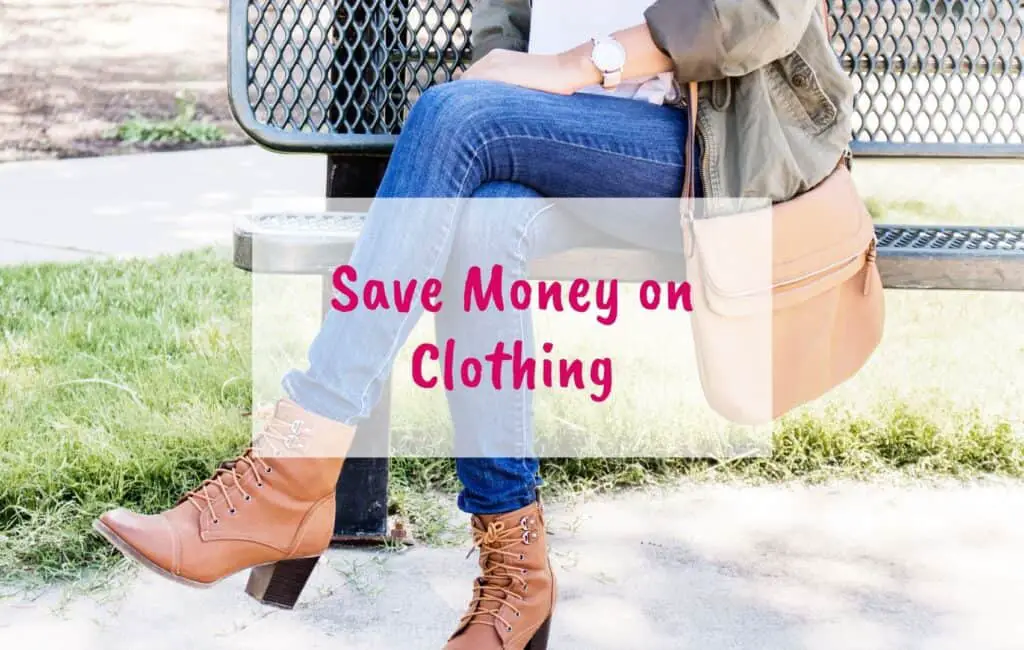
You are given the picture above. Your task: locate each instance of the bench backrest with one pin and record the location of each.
(935, 77)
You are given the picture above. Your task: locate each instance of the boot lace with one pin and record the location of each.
(502, 580)
(204, 496)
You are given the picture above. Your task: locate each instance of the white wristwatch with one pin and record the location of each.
(609, 57)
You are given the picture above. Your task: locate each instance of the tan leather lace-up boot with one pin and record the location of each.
(271, 510)
(514, 598)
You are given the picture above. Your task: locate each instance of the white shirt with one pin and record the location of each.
(658, 89)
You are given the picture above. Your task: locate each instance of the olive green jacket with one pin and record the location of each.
(775, 107)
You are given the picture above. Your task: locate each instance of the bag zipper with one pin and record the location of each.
(870, 256)
(869, 261)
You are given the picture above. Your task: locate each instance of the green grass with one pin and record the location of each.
(918, 211)
(119, 383)
(184, 128)
(125, 383)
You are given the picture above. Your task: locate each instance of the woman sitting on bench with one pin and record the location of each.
(774, 119)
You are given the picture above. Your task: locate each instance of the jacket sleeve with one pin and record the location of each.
(713, 39)
(501, 24)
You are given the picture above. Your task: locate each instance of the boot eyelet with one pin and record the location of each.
(248, 497)
(523, 571)
(522, 522)
(521, 557)
(518, 614)
(259, 485)
(216, 521)
(269, 469)
(508, 628)
(232, 512)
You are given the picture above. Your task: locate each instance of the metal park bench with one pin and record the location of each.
(936, 78)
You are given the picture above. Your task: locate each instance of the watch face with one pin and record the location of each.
(609, 56)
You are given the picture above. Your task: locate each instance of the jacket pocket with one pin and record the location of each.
(797, 89)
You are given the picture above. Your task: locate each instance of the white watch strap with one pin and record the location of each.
(612, 80)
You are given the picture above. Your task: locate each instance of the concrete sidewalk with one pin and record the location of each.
(709, 567)
(142, 205)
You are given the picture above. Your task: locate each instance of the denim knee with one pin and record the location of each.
(496, 224)
(460, 108)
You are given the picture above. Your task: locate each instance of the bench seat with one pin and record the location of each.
(910, 257)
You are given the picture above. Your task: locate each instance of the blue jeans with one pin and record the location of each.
(475, 139)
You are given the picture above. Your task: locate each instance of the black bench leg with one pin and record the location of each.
(362, 490)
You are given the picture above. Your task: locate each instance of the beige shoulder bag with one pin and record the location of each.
(787, 301)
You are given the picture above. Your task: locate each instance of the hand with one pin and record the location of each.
(561, 74)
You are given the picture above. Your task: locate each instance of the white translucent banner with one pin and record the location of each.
(518, 327)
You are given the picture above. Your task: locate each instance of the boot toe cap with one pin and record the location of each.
(148, 538)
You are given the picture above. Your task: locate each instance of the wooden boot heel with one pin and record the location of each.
(280, 584)
(540, 639)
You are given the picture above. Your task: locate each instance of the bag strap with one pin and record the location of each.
(690, 181)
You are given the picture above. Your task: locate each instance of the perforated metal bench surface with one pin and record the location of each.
(340, 76)
(910, 257)
(933, 77)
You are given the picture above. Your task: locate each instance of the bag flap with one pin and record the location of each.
(803, 247)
